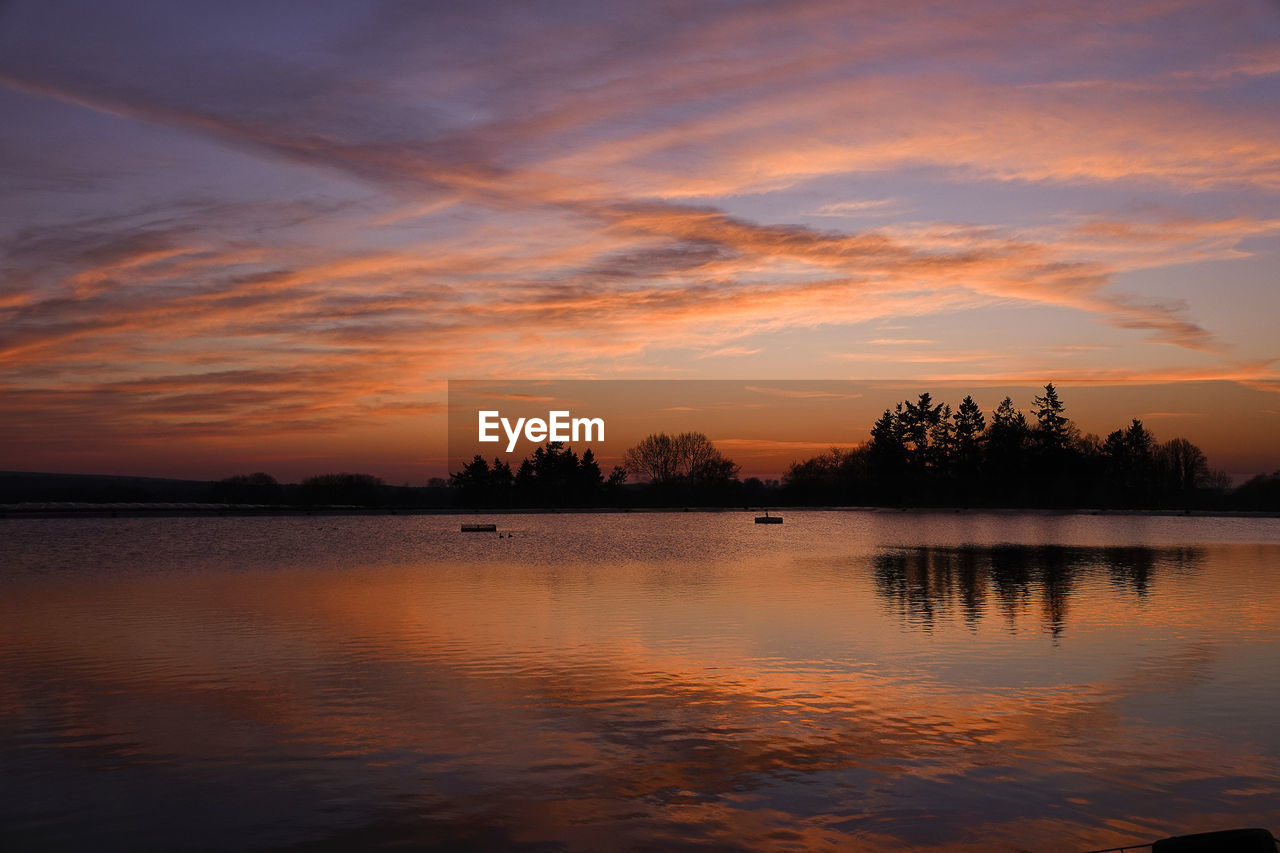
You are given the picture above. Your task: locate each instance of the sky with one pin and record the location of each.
(263, 236)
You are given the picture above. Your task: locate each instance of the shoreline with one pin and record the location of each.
(177, 510)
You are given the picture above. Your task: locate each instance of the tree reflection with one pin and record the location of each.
(926, 584)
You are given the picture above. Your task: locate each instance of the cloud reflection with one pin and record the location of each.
(569, 689)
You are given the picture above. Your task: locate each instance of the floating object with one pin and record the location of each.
(768, 519)
(479, 528)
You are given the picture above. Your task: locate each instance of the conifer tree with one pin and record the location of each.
(1053, 431)
(969, 425)
(918, 421)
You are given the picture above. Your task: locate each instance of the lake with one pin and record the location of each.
(660, 681)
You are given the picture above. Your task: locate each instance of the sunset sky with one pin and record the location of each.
(262, 235)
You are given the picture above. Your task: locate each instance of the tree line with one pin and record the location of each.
(335, 489)
(924, 453)
(920, 452)
(684, 468)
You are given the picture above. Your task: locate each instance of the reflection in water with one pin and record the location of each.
(633, 682)
(924, 582)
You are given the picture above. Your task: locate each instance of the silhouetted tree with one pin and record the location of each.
(654, 458)
(1058, 477)
(919, 452)
(342, 489)
(589, 473)
(1130, 464)
(969, 427)
(1007, 441)
(1260, 493)
(689, 456)
(1052, 430)
(919, 420)
(887, 456)
(553, 475)
(501, 481)
(942, 443)
(1186, 467)
(686, 466)
(613, 487)
(480, 485)
(838, 475)
(256, 488)
(525, 482)
(556, 476)
(472, 482)
(1140, 447)
(967, 431)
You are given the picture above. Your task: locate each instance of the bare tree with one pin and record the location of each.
(1188, 468)
(689, 456)
(654, 457)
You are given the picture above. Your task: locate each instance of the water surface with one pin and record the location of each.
(637, 681)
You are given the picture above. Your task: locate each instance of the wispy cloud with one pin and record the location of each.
(858, 208)
(901, 341)
(801, 393)
(732, 352)
(579, 205)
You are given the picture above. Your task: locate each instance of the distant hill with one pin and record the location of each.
(20, 487)
(34, 487)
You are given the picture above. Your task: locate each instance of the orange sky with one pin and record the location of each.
(237, 239)
(765, 425)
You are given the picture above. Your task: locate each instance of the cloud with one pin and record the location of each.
(800, 393)
(901, 341)
(858, 208)
(732, 352)
(1254, 373)
(760, 446)
(569, 210)
(101, 301)
(695, 240)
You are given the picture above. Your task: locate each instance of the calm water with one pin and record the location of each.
(643, 681)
